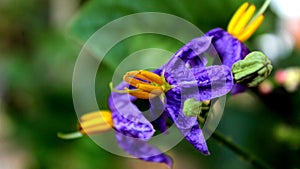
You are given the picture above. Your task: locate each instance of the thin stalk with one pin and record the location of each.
(247, 156)
(254, 160)
(261, 10)
(70, 135)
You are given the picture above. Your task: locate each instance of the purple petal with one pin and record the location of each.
(220, 78)
(190, 55)
(239, 88)
(188, 126)
(158, 116)
(127, 118)
(196, 138)
(142, 150)
(174, 107)
(161, 123)
(228, 47)
(204, 83)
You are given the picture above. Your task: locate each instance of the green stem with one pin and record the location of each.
(255, 161)
(240, 151)
(69, 135)
(261, 10)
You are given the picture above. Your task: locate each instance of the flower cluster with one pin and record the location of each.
(182, 82)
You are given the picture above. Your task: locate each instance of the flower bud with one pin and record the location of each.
(252, 70)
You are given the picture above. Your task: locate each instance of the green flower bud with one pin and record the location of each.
(253, 69)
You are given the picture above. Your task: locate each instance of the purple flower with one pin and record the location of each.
(165, 90)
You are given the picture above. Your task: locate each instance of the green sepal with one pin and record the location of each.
(192, 107)
(253, 69)
(165, 86)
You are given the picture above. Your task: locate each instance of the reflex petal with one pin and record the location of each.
(229, 48)
(187, 125)
(205, 83)
(142, 150)
(190, 55)
(196, 138)
(127, 118)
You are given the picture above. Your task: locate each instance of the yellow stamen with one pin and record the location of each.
(142, 95)
(96, 122)
(152, 76)
(132, 81)
(137, 74)
(251, 28)
(95, 114)
(206, 102)
(240, 26)
(157, 90)
(147, 84)
(96, 129)
(243, 24)
(234, 20)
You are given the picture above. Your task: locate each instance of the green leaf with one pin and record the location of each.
(95, 14)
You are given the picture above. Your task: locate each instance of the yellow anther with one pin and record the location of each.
(132, 81)
(144, 75)
(245, 18)
(95, 129)
(91, 123)
(96, 114)
(243, 24)
(152, 76)
(206, 102)
(237, 15)
(96, 122)
(142, 95)
(251, 28)
(137, 74)
(156, 90)
(147, 84)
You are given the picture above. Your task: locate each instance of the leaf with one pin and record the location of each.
(95, 14)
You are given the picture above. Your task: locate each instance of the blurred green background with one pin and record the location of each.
(39, 43)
